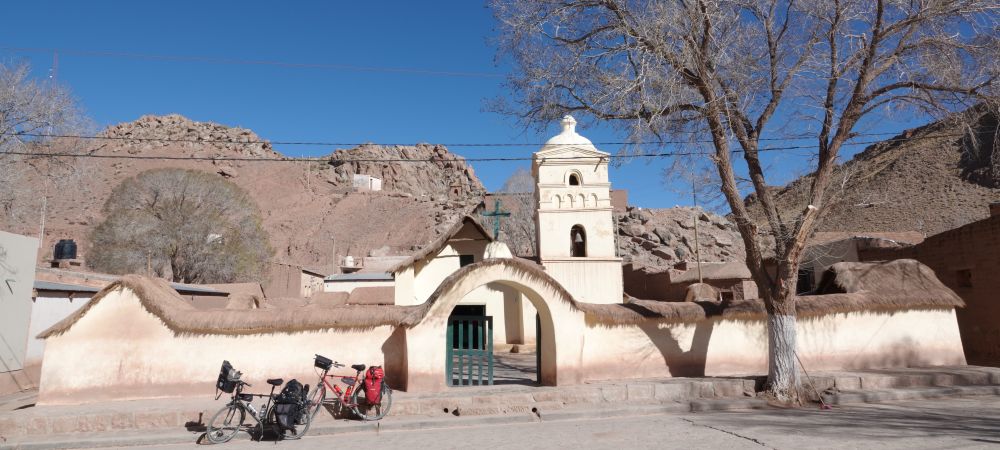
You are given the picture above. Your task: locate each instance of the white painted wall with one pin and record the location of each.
(592, 280)
(120, 351)
(728, 347)
(45, 312)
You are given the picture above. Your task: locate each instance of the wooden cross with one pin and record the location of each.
(497, 213)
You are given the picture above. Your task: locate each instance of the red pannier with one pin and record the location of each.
(373, 385)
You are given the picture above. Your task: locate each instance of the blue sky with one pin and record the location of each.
(283, 103)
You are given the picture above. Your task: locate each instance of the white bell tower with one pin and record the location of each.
(575, 226)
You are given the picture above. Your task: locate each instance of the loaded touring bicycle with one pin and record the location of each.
(289, 414)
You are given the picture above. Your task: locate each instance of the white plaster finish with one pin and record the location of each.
(120, 351)
(45, 312)
(554, 232)
(592, 280)
(561, 351)
(597, 277)
(349, 286)
(857, 340)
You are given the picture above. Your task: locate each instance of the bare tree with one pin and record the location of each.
(30, 111)
(730, 72)
(517, 197)
(191, 226)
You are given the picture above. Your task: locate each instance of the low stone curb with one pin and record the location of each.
(922, 393)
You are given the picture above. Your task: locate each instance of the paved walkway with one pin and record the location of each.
(21, 422)
(950, 423)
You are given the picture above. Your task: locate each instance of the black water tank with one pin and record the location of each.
(65, 249)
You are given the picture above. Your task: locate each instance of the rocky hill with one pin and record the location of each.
(929, 179)
(661, 238)
(309, 208)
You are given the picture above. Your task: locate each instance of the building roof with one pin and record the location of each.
(713, 271)
(177, 314)
(894, 285)
(100, 280)
(903, 237)
(440, 242)
(52, 286)
(359, 276)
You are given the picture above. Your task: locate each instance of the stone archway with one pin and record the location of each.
(561, 351)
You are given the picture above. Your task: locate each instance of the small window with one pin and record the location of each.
(464, 260)
(964, 278)
(574, 179)
(578, 242)
(807, 276)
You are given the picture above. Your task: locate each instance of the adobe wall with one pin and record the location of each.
(45, 312)
(739, 347)
(120, 351)
(973, 249)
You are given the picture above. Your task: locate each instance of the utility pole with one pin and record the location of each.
(697, 248)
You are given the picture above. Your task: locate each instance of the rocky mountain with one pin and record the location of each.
(309, 208)
(661, 238)
(929, 179)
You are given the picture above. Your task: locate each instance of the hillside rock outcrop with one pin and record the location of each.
(150, 131)
(661, 238)
(422, 170)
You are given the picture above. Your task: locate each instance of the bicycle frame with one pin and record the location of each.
(343, 398)
(247, 405)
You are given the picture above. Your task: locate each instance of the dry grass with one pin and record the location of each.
(895, 285)
(181, 317)
(889, 286)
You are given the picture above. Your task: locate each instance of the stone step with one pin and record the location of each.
(920, 393)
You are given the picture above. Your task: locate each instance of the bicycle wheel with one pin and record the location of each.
(312, 408)
(366, 411)
(225, 424)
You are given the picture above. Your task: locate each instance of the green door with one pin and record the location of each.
(470, 351)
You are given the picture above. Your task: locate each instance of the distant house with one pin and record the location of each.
(967, 260)
(284, 280)
(729, 281)
(825, 249)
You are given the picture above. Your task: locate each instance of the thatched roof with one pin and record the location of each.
(180, 316)
(439, 243)
(893, 285)
(713, 271)
(375, 295)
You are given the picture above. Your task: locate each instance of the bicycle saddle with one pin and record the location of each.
(358, 367)
(275, 381)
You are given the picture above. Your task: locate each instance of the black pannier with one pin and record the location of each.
(323, 362)
(286, 413)
(289, 405)
(227, 378)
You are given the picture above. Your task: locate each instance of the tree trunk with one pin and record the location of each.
(782, 369)
(783, 379)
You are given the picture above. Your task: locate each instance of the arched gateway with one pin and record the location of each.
(561, 322)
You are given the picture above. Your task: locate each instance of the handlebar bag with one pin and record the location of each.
(226, 383)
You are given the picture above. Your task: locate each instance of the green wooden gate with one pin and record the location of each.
(470, 351)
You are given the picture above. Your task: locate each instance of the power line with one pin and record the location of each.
(455, 159)
(251, 62)
(460, 144)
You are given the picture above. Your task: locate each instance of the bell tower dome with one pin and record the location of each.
(574, 224)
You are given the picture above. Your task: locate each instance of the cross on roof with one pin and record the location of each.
(497, 213)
